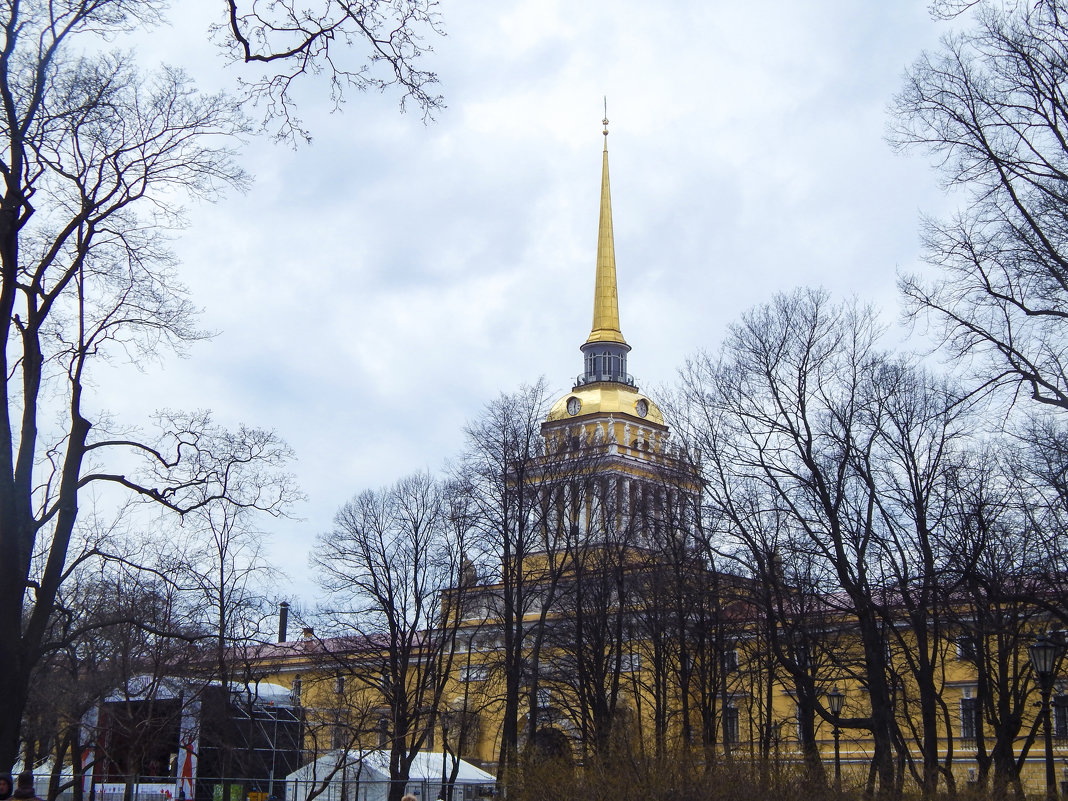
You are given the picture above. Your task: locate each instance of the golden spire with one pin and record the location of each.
(605, 297)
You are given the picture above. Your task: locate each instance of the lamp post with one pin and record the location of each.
(444, 751)
(1044, 653)
(835, 700)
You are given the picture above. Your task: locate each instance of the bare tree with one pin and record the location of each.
(94, 158)
(990, 106)
(460, 718)
(386, 564)
(215, 564)
(120, 631)
(919, 426)
(294, 42)
(995, 558)
(338, 719)
(1037, 466)
(215, 561)
(796, 630)
(589, 654)
(784, 406)
(675, 594)
(499, 472)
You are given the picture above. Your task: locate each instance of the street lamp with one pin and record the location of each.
(1044, 653)
(835, 700)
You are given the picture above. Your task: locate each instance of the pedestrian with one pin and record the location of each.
(24, 790)
(5, 786)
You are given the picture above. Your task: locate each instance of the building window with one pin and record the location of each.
(730, 725)
(966, 647)
(1060, 716)
(383, 732)
(339, 685)
(469, 673)
(630, 663)
(730, 660)
(545, 698)
(969, 718)
(338, 736)
(474, 607)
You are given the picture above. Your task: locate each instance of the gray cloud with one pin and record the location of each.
(375, 289)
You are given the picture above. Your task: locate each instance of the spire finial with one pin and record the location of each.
(605, 122)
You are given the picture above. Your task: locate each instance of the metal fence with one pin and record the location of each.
(240, 789)
(367, 790)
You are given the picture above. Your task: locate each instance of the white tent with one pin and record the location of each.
(364, 776)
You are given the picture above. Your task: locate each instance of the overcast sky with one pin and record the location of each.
(375, 289)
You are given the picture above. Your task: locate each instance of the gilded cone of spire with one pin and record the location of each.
(605, 297)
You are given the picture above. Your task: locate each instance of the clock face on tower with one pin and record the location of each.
(642, 407)
(573, 406)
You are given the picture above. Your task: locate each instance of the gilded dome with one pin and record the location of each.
(605, 397)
